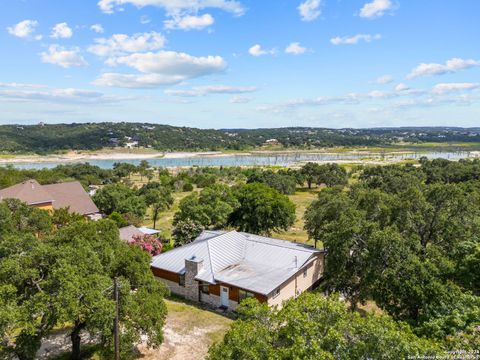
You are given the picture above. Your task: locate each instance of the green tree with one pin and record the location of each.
(210, 209)
(314, 327)
(157, 196)
(310, 172)
(120, 198)
(262, 210)
(67, 279)
(185, 231)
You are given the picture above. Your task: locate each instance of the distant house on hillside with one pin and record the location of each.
(127, 233)
(222, 268)
(69, 195)
(272, 142)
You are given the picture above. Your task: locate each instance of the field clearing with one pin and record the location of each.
(302, 198)
(189, 332)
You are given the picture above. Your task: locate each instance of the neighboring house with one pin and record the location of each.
(272, 142)
(127, 233)
(222, 268)
(69, 195)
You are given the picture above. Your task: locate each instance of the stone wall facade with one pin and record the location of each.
(174, 287)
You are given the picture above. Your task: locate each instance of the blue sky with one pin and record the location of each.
(231, 64)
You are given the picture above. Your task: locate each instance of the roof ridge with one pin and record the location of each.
(212, 271)
(278, 245)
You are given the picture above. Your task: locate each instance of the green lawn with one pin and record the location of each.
(301, 199)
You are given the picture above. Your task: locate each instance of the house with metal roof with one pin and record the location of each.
(69, 195)
(222, 268)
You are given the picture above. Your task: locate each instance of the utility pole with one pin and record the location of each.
(115, 329)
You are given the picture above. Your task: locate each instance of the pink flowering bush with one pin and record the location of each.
(147, 243)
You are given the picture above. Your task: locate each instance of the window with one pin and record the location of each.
(204, 288)
(276, 292)
(181, 280)
(305, 273)
(243, 294)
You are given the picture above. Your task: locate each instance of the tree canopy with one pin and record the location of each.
(409, 244)
(262, 210)
(55, 277)
(315, 327)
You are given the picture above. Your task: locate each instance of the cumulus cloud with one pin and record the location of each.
(63, 57)
(161, 68)
(310, 10)
(61, 31)
(355, 39)
(295, 49)
(451, 66)
(384, 79)
(450, 87)
(376, 8)
(211, 89)
(257, 50)
(98, 28)
(189, 22)
(175, 7)
(402, 87)
(121, 44)
(25, 30)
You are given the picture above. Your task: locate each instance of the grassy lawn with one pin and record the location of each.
(301, 199)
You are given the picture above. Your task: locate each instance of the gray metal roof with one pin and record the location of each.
(248, 261)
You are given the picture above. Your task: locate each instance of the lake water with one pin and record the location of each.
(280, 159)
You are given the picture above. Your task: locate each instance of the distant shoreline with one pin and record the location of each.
(146, 154)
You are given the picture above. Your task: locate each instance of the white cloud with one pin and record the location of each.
(295, 48)
(63, 57)
(257, 50)
(376, 8)
(380, 94)
(171, 62)
(162, 68)
(67, 95)
(22, 86)
(452, 65)
(384, 79)
(120, 44)
(61, 31)
(24, 29)
(310, 9)
(355, 39)
(211, 89)
(136, 81)
(98, 28)
(450, 87)
(402, 87)
(189, 22)
(175, 7)
(240, 100)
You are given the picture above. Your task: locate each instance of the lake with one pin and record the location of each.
(271, 159)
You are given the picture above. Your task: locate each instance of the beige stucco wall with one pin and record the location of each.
(298, 283)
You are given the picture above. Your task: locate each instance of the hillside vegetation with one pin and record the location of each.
(94, 136)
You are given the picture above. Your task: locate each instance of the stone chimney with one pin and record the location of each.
(193, 266)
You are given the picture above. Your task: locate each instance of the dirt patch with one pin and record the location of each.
(188, 333)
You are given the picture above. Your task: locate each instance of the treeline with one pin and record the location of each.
(43, 139)
(404, 237)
